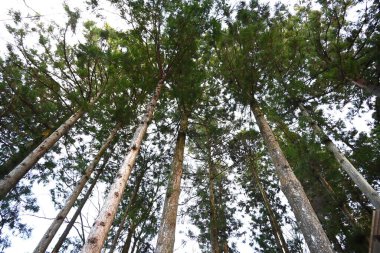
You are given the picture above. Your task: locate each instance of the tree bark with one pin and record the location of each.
(62, 238)
(166, 233)
(10, 180)
(127, 244)
(213, 212)
(277, 232)
(355, 175)
(104, 221)
(127, 209)
(311, 228)
(56, 224)
(372, 89)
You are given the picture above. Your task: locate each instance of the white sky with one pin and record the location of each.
(52, 10)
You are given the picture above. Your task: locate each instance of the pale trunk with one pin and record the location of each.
(355, 175)
(132, 201)
(107, 214)
(213, 213)
(10, 180)
(79, 209)
(56, 224)
(307, 220)
(166, 233)
(280, 240)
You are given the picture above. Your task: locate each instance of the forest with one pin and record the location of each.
(194, 126)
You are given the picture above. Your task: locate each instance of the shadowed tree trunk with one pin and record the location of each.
(282, 246)
(166, 234)
(213, 211)
(10, 180)
(372, 89)
(311, 227)
(359, 180)
(127, 244)
(56, 224)
(62, 238)
(106, 216)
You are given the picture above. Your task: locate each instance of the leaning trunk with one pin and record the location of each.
(56, 224)
(213, 211)
(279, 237)
(79, 209)
(359, 180)
(132, 201)
(369, 88)
(10, 180)
(106, 216)
(166, 234)
(311, 228)
(127, 244)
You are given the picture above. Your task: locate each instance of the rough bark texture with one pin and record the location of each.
(107, 214)
(280, 240)
(311, 228)
(79, 209)
(127, 209)
(213, 212)
(166, 233)
(20, 170)
(57, 222)
(359, 180)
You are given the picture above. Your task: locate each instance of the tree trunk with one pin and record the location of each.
(104, 221)
(359, 180)
(213, 211)
(311, 228)
(127, 244)
(56, 224)
(79, 209)
(370, 88)
(277, 232)
(166, 233)
(127, 209)
(10, 180)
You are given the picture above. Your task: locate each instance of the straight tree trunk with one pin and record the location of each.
(107, 214)
(311, 227)
(277, 232)
(62, 238)
(56, 224)
(127, 244)
(213, 211)
(10, 180)
(166, 233)
(127, 210)
(355, 175)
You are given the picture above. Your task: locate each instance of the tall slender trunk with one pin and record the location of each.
(355, 175)
(277, 232)
(127, 244)
(104, 221)
(62, 238)
(131, 202)
(166, 233)
(10, 180)
(57, 222)
(311, 228)
(213, 212)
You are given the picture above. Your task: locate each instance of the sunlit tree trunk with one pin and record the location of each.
(10, 180)
(104, 221)
(277, 232)
(355, 175)
(307, 220)
(131, 202)
(56, 224)
(166, 234)
(62, 238)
